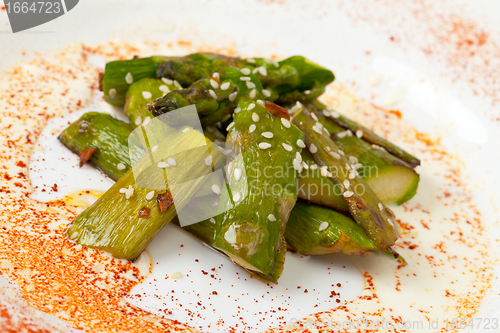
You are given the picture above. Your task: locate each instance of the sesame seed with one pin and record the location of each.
(285, 122)
(334, 114)
(250, 107)
(313, 116)
(129, 78)
(212, 93)
(162, 165)
(268, 135)
(150, 195)
(237, 110)
(255, 116)
(245, 78)
(301, 143)
(236, 197)
(216, 75)
(305, 165)
(245, 71)
(359, 133)
(335, 155)
(260, 102)
(298, 157)
(123, 190)
(167, 81)
(251, 60)
(307, 92)
(324, 171)
(380, 206)
(390, 222)
(154, 149)
(253, 93)
(352, 175)
(264, 145)
(323, 226)
(232, 97)
(274, 62)
(262, 71)
(225, 86)
(231, 125)
(208, 160)
(138, 120)
(120, 166)
(296, 107)
(287, 147)
(317, 129)
(176, 275)
(357, 166)
(129, 193)
(328, 149)
(314, 166)
(216, 189)
(313, 149)
(163, 88)
(177, 84)
(252, 128)
(349, 133)
(171, 161)
(255, 70)
(271, 217)
(297, 165)
(214, 84)
(146, 121)
(347, 184)
(375, 146)
(341, 152)
(341, 134)
(266, 93)
(237, 174)
(353, 159)
(147, 94)
(348, 194)
(112, 92)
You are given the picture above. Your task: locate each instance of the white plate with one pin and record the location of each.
(425, 88)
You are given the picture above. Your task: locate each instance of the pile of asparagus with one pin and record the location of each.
(334, 200)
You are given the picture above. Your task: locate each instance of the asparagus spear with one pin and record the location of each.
(392, 180)
(108, 135)
(140, 94)
(368, 135)
(367, 210)
(252, 232)
(120, 74)
(101, 127)
(125, 227)
(314, 230)
(317, 188)
(215, 97)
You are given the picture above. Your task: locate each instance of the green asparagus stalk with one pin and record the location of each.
(317, 188)
(108, 135)
(125, 219)
(120, 74)
(140, 94)
(392, 179)
(214, 97)
(251, 233)
(365, 207)
(116, 131)
(314, 230)
(367, 134)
